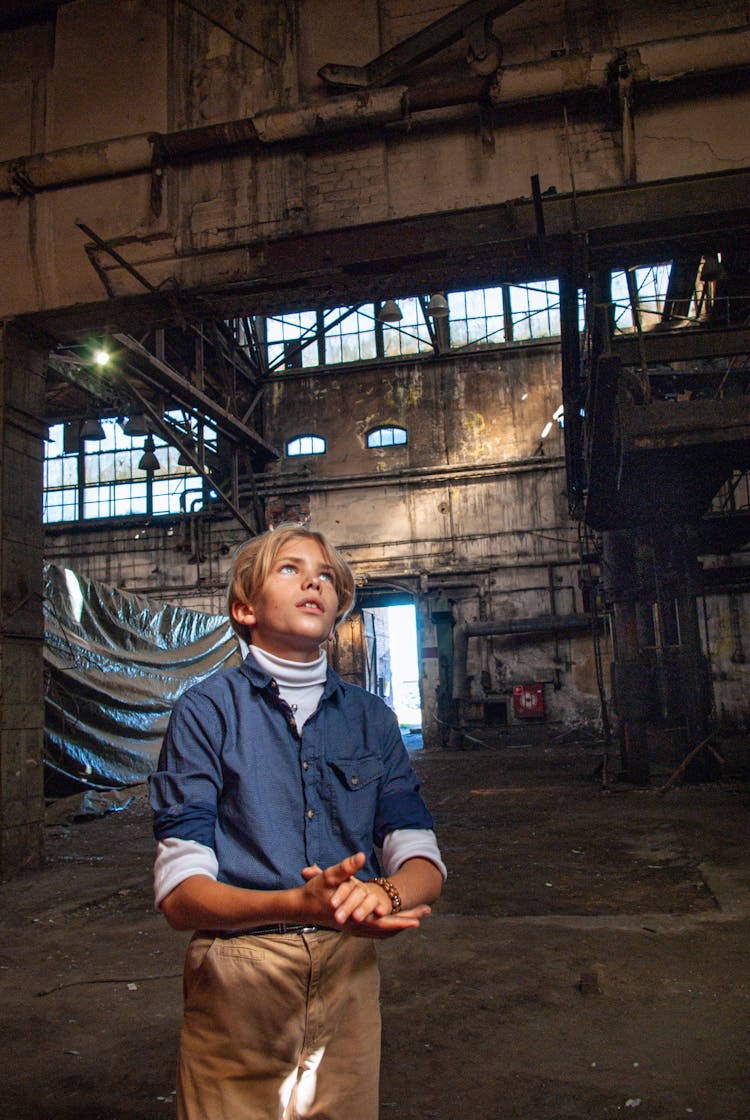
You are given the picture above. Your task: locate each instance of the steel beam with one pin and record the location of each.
(156, 419)
(608, 229)
(419, 46)
(664, 425)
(683, 345)
(183, 391)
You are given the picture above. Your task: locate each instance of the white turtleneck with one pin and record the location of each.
(300, 682)
(301, 686)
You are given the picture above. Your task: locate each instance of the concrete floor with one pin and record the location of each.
(590, 957)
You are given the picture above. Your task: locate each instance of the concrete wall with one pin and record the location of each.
(109, 70)
(465, 511)
(100, 73)
(22, 369)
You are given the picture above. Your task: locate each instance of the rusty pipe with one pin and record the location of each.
(655, 62)
(128, 155)
(539, 624)
(659, 61)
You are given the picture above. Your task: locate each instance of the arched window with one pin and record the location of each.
(386, 437)
(306, 445)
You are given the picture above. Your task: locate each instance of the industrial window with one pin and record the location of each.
(292, 340)
(349, 335)
(306, 445)
(386, 437)
(650, 288)
(534, 310)
(410, 335)
(86, 479)
(476, 317)
(340, 334)
(60, 479)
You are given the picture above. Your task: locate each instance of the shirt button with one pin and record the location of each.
(310, 814)
(355, 780)
(305, 765)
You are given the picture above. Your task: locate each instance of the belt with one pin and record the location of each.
(260, 931)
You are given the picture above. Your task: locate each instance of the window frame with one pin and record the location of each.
(312, 436)
(92, 489)
(319, 336)
(393, 428)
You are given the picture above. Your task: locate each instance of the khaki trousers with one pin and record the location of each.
(280, 1027)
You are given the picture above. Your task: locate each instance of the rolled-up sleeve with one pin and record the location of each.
(185, 789)
(400, 803)
(177, 860)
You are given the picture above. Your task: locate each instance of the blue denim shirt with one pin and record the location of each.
(235, 775)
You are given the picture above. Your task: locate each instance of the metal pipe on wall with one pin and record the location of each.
(540, 624)
(128, 155)
(658, 61)
(655, 62)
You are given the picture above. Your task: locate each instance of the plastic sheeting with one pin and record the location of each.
(115, 664)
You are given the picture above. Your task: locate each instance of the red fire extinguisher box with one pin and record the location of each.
(528, 701)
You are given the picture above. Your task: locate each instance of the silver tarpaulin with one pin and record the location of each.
(115, 663)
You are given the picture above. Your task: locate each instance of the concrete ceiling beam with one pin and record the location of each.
(615, 228)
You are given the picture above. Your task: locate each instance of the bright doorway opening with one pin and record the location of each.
(399, 624)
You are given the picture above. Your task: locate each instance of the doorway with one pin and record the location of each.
(376, 648)
(397, 626)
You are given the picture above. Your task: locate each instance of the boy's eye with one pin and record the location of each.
(327, 576)
(287, 568)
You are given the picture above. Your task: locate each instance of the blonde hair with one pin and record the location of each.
(255, 559)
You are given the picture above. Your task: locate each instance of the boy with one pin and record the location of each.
(275, 783)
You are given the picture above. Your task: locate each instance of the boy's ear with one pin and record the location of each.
(243, 614)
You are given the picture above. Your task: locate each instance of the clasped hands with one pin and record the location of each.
(341, 901)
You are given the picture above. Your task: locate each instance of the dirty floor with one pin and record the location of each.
(589, 959)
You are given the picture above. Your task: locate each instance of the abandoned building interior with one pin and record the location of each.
(467, 288)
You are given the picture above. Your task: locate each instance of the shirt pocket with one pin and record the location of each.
(355, 774)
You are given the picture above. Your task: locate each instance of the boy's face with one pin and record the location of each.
(295, 610)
